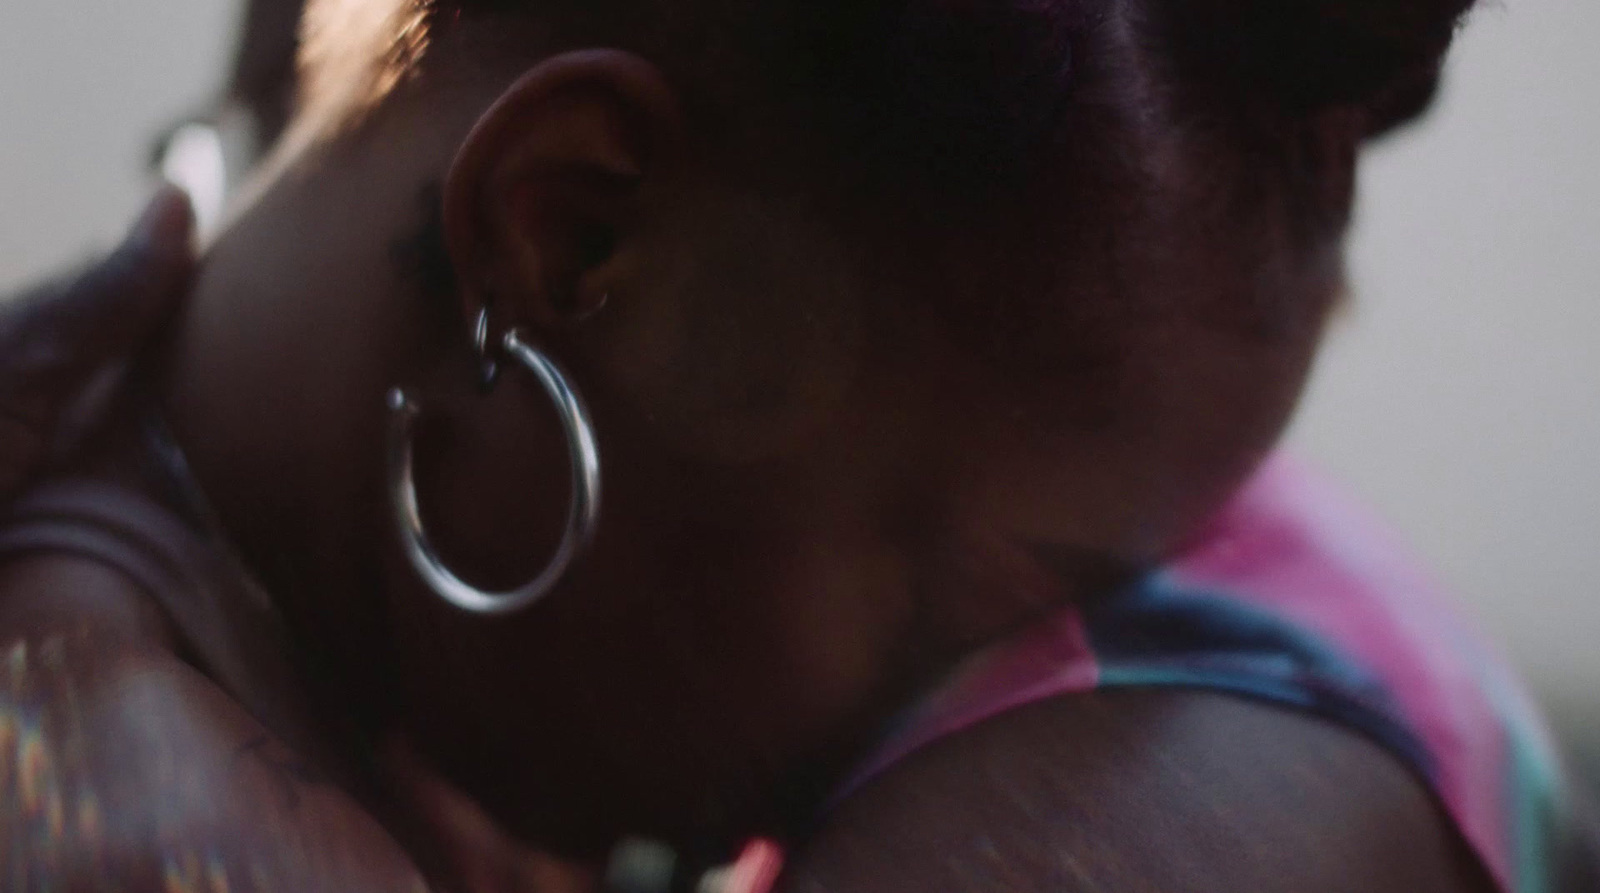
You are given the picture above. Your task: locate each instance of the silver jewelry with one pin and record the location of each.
(583, 514)
(488, 366)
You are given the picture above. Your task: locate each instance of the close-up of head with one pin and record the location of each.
(890, 326)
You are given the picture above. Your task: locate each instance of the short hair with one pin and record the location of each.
(353, 53)
(948, 91)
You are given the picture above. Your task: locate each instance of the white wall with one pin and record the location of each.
(1462, 394)
(85, 86)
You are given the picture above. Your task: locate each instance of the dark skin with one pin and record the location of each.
(779, 567)
(58, 337)
(1060, 796)
(1143, 791)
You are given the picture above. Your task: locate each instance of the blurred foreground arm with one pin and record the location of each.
(124, 768)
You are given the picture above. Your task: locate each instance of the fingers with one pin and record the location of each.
(54, 338)
(115, 307)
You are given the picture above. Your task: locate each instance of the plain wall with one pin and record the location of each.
(85, 88)
(1460, 395)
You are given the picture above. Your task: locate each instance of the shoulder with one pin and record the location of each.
(50, 593)
(1134, 791)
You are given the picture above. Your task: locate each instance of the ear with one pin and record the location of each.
(543, 203)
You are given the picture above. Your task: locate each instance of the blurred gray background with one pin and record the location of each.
(1460, 395)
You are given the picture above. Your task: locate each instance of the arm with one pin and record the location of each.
(1133, 792)
(121, 767)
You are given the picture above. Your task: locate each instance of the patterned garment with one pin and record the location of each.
(1292, 596)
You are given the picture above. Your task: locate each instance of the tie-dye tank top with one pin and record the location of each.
(1294, 597)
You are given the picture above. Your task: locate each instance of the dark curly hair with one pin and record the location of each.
(942, 98)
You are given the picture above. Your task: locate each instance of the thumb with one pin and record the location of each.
(54, 339)
(116, 307)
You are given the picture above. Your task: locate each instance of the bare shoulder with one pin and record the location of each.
(1143, 791)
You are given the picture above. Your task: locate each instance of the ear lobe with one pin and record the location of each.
(541, 204)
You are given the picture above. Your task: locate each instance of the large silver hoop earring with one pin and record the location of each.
(583, 514)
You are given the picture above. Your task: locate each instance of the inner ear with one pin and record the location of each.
(542, 203)
(555, 220)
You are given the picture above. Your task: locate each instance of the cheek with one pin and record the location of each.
(493, 477)
(280, 362)
(616, 699)
(748, 339)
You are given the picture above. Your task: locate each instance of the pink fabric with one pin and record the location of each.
(1290, 543)
(757, 869)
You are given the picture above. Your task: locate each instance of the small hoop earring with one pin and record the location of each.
(583, 514)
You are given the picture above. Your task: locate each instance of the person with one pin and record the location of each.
(879, 398)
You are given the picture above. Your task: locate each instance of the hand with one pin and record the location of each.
(55, 339)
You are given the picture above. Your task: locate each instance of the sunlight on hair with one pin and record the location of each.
(196, 159)
(354, 53)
